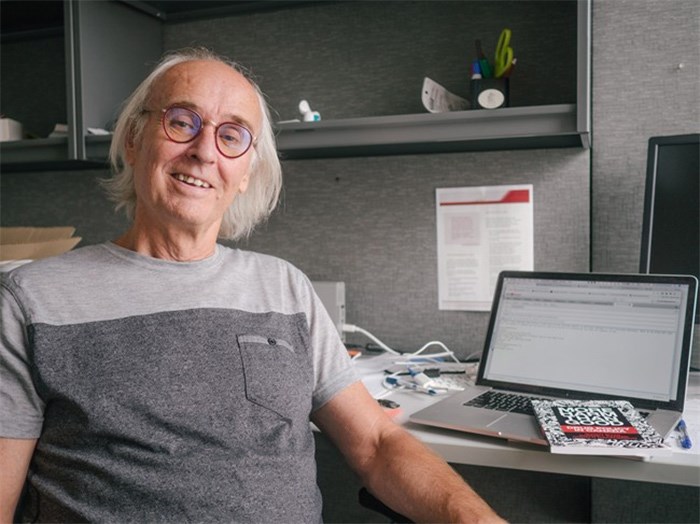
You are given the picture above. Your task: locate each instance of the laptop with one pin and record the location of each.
(577, 336)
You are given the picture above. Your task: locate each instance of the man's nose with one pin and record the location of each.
(204, 147)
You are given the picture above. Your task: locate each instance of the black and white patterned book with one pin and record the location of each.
(597, 427)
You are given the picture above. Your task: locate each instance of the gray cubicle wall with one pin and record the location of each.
(646, 82)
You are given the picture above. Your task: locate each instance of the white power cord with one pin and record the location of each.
(418, 381)
(351, 328)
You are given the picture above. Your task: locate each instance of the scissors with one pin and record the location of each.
(504, 54)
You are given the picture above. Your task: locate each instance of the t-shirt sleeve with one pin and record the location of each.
(21, 407)
(333, 369)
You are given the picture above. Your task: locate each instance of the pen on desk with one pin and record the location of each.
(685, 441)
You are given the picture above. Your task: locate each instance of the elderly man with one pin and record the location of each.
(165, 377)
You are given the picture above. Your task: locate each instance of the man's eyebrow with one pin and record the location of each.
(236, 119)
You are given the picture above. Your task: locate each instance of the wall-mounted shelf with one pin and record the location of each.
(481, 130)
(50, 154)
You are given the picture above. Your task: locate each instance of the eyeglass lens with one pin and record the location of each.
(183, 125)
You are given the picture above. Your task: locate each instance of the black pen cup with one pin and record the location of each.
(489, 93)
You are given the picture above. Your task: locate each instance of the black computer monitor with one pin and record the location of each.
(671, 227)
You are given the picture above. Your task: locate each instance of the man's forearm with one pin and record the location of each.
(15, 455)
(423, 486)
(398, 469)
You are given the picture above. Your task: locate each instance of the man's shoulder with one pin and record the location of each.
(73, 260)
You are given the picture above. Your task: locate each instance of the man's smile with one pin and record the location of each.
(189, 179)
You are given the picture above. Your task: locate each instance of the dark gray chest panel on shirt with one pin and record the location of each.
(186, 415)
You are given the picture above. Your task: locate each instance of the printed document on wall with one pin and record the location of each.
(481, 231)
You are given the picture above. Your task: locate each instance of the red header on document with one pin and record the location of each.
(516, 196)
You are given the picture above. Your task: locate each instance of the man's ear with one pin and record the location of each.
(245, 181)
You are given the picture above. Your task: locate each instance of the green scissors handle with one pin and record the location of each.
(504, 54)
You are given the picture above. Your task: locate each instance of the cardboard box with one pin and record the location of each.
(32, 243)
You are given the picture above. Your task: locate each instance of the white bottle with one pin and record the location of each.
(307, 114)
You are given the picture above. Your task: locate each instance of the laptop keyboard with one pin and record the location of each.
(500, 401)
(503, 402)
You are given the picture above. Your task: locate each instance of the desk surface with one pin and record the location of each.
(681, 467)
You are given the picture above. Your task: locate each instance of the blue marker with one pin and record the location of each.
(685, 441)
(476, 70)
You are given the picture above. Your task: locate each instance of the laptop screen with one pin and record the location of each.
(623, 336)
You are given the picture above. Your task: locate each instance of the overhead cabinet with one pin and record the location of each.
(110, 46)
(107, 49)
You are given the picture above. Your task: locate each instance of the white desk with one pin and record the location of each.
(682, 467)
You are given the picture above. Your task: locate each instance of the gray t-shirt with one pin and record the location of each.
(167, 391)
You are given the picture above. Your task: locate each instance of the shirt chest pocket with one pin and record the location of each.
(277, 377)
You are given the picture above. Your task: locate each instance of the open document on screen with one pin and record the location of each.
(565, 334)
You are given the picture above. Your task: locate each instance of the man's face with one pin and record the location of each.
(188, 186)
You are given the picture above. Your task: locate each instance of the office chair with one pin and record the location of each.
(369, 501)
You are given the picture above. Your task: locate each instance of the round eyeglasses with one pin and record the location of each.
(183, 125)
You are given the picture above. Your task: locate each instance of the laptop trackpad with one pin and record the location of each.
(481, 417)
(518, 427)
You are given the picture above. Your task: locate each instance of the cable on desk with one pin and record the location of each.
(393, 381)
(351, 328)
